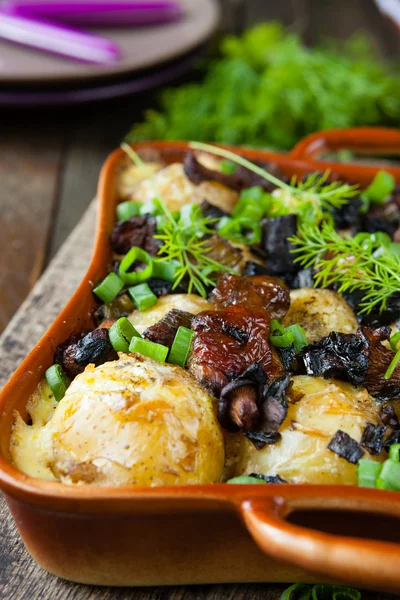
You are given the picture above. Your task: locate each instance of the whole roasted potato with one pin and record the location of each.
(319, 312)
(135, 422)
(317, 409)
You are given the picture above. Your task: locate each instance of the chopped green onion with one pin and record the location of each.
(155, 351)
(165, 269)
(243, 479)
(57, 382)
(297, 591)
(394, 340)
(368, 472)
(276, 326)
(380, 188)
(152, 207)
(299, 335)
(228, 167)
(126, 210)
(394, 452)
(109, 288)
(294, 334)
(324, 591)
(133, 255)
(181, 346)
(282, 340)
(142, 296)
(392, 365)
(394, 248)
(389, 477)
(121, 333)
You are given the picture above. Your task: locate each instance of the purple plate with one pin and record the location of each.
(14, 98)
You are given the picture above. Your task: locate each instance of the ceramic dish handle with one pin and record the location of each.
(346, 559)
(363, 140)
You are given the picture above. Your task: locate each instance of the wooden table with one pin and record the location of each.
(49, 165)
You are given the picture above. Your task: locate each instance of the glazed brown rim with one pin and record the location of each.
(263, 508)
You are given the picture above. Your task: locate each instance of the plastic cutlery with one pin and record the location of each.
(98, 12)
(57, 39)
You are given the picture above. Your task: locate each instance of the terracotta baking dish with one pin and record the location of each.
(199, 534)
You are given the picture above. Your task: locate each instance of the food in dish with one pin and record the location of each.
(215, 358)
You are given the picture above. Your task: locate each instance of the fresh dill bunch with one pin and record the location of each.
(360, 263)
(186, 243)
(184, 240)
(309, 199)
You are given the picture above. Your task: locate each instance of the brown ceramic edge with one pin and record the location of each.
(83, 498)
(363, 140)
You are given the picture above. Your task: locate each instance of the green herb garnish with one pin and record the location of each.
(184, 243)
(359, 263)
(267, 89)
(308, 199)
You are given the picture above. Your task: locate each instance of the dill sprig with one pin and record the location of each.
(314, 191)
(184, 241)
(358, 263)
(187, 245)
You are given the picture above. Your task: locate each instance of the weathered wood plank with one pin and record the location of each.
(30, 156)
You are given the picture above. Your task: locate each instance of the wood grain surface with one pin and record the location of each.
(49, 165)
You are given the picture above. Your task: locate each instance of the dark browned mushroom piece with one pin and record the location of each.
(227, 342)
(165, 330)
(258, 291)
(136, 231)
(93, 348)
(241, 179)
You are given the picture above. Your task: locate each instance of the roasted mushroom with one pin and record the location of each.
(136, 231)
(261, 291)
(241, 179)
(227, 342)
(165, 330)
(94, 348)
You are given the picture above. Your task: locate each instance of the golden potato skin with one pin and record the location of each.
(192, 303)
(176, 189)
(134, 422)
(319, 312)
(322, 407)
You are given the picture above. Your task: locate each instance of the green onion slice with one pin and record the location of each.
(394, 452)
(121, 333)
(133, 255)
(394, 340)
(142, 296)
(165, 269)
(152, 207)
(228, 167)
(380, 188)
(392, 365)
(389, 477)
(57, 381)
(181, 346)
(126, 210)
(282, 340)
(297, 591)
(299, 336)
(244, 479)
(155, 351)
(368, 472)
(109, 288)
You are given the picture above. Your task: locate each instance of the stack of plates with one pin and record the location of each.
(151, 56)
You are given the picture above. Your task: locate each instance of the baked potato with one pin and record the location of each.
(317, 409)
(133, 422)
(319, 312)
